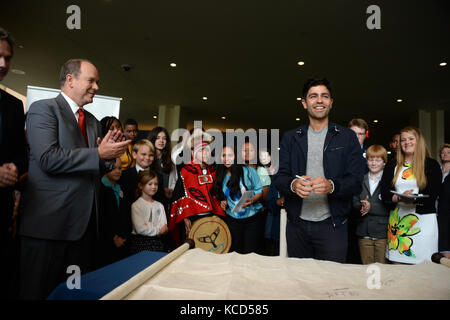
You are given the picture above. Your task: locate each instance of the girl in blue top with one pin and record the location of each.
(232, 180)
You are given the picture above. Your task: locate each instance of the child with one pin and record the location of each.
(143, 154)
(232, 180)
(148, 216)
(372, 224)
(112, 239)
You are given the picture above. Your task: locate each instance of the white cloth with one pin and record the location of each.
(202, 275)
(147, 217)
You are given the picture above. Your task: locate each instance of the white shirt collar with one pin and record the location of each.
(73, 105)
(139, 168)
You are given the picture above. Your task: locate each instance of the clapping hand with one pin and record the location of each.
(113, 145)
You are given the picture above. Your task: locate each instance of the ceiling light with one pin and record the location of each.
(17, 71)
(173, 65)
(299, 99)
(399, 100)
(375, 121)
(223, 118)
(205, 98)
(443, 64)
(300, 63)
(155, 117)
(297, 119)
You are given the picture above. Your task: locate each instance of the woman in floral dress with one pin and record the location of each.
(412, 229)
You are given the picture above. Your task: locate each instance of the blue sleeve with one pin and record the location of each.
(252, 180)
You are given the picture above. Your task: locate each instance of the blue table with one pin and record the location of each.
(98, 283)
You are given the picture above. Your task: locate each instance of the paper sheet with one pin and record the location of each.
(198, 274)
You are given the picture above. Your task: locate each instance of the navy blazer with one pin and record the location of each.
(343, 163)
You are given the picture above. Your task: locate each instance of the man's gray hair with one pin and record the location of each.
(72, 66)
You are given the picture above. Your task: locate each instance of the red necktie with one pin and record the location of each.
(82, 124)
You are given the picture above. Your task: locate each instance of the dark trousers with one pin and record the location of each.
(317, 240)
(44, 263)
(246, 234)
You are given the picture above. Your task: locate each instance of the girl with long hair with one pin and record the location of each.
(164, 166)
(416, 180)
(232, 180)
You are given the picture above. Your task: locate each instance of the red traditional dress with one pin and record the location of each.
(192, 195)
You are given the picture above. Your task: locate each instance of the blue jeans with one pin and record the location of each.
(317, 240)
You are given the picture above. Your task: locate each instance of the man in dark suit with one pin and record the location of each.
(59, 222)
(13, 158)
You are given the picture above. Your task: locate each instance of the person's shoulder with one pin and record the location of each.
(40, 105)
(432, 163)
(9, 98)
(262, 171)
(340, 129)
(138, 203)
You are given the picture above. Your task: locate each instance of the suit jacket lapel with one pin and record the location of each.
(367, 184)
(70, 119)
(90, 129)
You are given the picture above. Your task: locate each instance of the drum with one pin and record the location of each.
(211, 234)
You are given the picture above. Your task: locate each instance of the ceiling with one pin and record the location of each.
(243, 56)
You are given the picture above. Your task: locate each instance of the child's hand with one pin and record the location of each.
(187, 224)
(223, 204)
(249, 202)
(163, 230)
(365, 206)
(119, 241)
(407, 200)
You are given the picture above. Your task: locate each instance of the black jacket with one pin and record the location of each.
(343, 163)
(374, 223)
(433, 187)
(444, 216)
(13, 149)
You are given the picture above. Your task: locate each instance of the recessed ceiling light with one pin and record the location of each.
(297, 119)
(443, 64)
(205, 98)
(375, 121)
(399, 100)
(173, 65)
(223, 118)
(299, 99)
(155, 117)
(17, 71)
(300, 63)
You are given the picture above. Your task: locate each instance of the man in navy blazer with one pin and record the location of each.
(58, 225)
(321, 168)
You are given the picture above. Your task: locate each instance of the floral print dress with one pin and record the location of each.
(412, 237)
